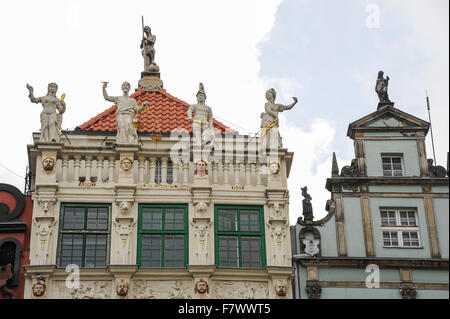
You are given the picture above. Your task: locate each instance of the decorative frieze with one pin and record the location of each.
(162, 289)
(240, 290)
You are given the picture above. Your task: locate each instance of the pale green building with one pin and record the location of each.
(386, 232)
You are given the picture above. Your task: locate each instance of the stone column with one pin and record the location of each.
(100, 164)
(226, 175)
(88, 165)
(77, 164)
(185, 172)
(152, 170)
(164, 161)
(215, 172)
(65, 166)
(175, 167)
(111, 165)
(258, 174)
(248, 179)
(141, 168)
(237, 172)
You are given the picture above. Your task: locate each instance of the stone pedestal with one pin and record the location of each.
(150, 81)
(384, 104)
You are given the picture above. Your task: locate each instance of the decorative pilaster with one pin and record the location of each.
(100, 163)
(367, 226)
(340, 226)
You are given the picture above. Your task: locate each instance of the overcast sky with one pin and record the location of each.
(325, 52)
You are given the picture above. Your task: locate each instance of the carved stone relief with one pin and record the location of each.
(122, 288)
(43, 231)
(201, 289)
(148, 289)
(280, 289)
(240, 290)
(124, 227)
(92, 290)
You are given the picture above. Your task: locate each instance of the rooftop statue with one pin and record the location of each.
(148, 49)
(307, 206)
(51, 120)
(202, 123)
(381, 88)
(270, 135)
(127, 109)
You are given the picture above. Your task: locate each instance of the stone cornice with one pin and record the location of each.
(382, 262)
(380, 180)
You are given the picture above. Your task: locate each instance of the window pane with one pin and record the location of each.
(152, 219)
(151, 251)
(73, 218)
(174, 251)
(228, 251)
(72, 249)
(174, 219)
(249, 220)
(251, 252)
(227, 220)
(97, 218)
(158, 172)
(95, 251)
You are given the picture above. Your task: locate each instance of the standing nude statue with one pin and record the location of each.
(148, 50)
(269, 120)
(127, 108)
(50, 119)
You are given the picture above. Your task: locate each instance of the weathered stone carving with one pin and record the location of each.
(201, 208)
(201, 289)
(350, 171)
(201, 169)
(122, 288)
(124, 206)
(313, 289)
(270, 136)
(162, 289)
(436, 171)
(6, 274)
(280, 289)
(148, 50)
(274, 167)
(99, 290)
(48, 164)
(381, 88)
(46, 204)
(51, 120)
(307, 206)
(408, 292)
(124, 228)
(311, 246)
(43, 230)
(126, 165)
(127, 109)
(39, 287)
(202, 123)
(240, 290)
(201, 235)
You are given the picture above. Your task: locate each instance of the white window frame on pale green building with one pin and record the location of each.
(412, 226)
(392, 170)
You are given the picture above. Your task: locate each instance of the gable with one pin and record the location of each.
(388, 119)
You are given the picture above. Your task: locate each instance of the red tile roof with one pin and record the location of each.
(164, 109)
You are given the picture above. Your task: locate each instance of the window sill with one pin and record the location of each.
(403, 247)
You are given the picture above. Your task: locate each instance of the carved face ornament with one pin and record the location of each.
(274, 168)
(126, 164)
(280, 289)
(48, 164)
(38, 288)
(200, 168)
(201, 287)
(122, 288)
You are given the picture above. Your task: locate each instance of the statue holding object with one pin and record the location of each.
(202, 123)
(51, 120)
(148, 49)
(381, 88)
(270, 136)
(127, 109)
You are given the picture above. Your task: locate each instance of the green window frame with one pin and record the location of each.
(163, 240)
(84, 235)
(239, 237)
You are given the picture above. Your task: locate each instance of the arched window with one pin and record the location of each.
(10, 253)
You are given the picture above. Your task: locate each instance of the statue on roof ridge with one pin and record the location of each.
(381, 88)
(202, 123)
(127, 109)
(148, 49)
(270, 136)
(51, 120)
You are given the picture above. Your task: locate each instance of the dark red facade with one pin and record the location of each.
(15, 225)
